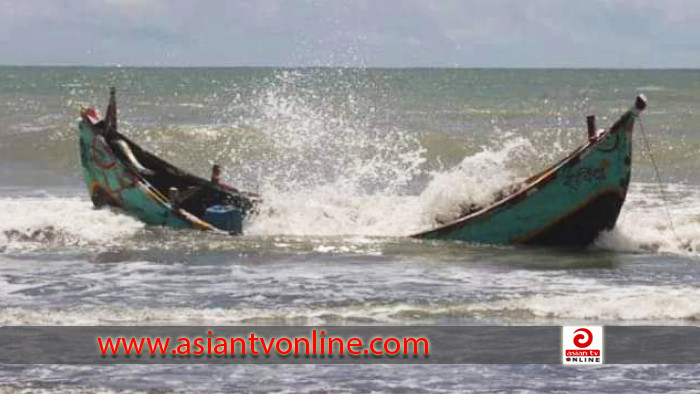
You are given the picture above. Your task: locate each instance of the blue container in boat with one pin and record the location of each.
(225, 217)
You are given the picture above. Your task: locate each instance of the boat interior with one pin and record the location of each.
(195, 194)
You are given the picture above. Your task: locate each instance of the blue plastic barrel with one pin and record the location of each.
(225, 217)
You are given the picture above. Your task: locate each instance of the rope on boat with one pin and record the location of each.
(659, 182)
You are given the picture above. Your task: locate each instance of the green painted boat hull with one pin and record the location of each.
(113, 182)
(110, 182)
(568, 204)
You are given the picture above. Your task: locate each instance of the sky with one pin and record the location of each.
(353, 33)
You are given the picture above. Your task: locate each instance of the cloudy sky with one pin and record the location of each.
(383, 33)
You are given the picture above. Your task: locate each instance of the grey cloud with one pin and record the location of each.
(502, 33)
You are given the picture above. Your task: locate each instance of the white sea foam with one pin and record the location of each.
(652, 88)
(27, 223)
(645, 225)
(330, 214)
(128, 315)
(203, 132)
(624, 303)
(474, 182)
(316, 143)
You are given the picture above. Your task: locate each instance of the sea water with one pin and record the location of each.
(349, 162)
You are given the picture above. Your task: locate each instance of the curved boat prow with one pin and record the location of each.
(640, 104)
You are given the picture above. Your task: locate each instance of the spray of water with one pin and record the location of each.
(474, 182)
(331, 166)
(643, 225)
(312, 139)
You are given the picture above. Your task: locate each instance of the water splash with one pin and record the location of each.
(28, 224)
(307, 138)
(474, 182)
(643, 225)
(328, 166)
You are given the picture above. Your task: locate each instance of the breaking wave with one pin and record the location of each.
(631, 303)
(28, 223)
(645, 226)
(624, 303)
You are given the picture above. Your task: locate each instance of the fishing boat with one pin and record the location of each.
(121, 174)
(568, 204)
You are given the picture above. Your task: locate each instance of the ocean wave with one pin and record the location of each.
(652, 88)
(126, 315)
(27, 224)
(656, 222)
(659, 304)
(632, 304)
(329, 221)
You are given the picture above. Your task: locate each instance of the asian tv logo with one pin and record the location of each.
(582, 345)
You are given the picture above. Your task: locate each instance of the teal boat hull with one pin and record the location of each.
(568, 204)
(111, 181)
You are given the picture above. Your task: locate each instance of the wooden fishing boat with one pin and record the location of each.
(568, 204)
(121, 174)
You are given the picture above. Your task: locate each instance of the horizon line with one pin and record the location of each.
(259, 67)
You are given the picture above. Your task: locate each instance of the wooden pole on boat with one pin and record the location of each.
(111, 116)
(592, 130)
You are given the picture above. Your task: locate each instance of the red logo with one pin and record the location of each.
(584, 339)
(587, 346)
